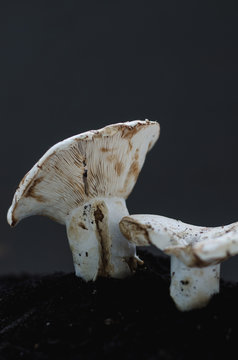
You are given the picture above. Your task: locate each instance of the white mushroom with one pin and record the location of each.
(82, 182)
(196, 253)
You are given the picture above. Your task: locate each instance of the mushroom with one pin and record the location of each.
(82, 182)
(196, 253)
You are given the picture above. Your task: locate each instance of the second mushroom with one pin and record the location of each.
(196, 253)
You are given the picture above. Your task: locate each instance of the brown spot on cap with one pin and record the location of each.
(130, 131)
(31, 190)
(111, 157)
(119, 168)
(129, 146)
(134, 169)
(103, 149)
(136, 157)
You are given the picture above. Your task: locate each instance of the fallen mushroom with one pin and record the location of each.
(196, 253)
(82, 182)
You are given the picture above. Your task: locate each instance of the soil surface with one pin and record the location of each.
(61, 317)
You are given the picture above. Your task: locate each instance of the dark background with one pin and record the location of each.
(67, 67)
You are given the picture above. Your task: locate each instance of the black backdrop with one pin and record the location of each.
(69, 66)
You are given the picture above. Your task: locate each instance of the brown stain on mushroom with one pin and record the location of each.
(96, 134)
(192, 256)
(136, 156)
(134, 169)
(14, 220)
(197, 262)
(202, 263)
(111, 158)
(129, 131)
(134, 231)
(119, 167)
(98, 215)
(130, 146)
(31, 190)
(133, 172)
(101, 221)
(82, 225)
(150, 145)
(103, 149)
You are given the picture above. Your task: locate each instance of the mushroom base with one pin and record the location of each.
(97, 245)
(192, 288)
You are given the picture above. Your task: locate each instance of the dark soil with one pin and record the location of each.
(61, 317)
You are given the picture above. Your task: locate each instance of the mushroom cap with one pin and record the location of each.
(195, 246)
(96, 163)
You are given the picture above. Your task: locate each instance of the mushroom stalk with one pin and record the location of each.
(98, 247)
(192, 288)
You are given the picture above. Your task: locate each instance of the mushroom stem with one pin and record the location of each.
(190, 287)
(97, 245)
